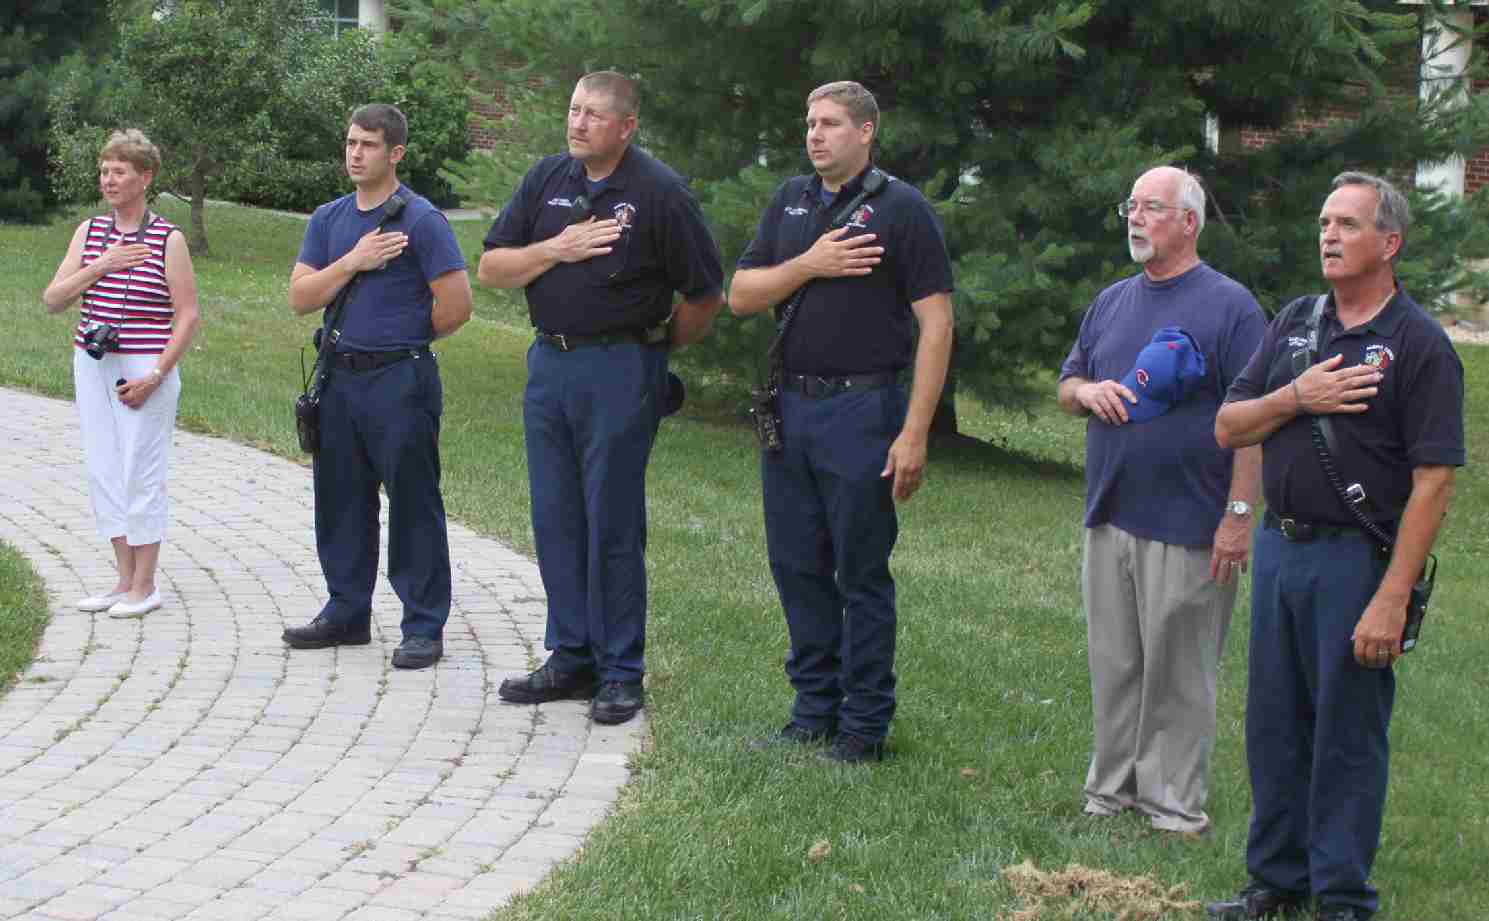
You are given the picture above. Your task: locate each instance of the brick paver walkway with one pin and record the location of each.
(188, 765)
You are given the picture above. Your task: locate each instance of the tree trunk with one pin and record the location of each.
(198, 212)
(943, 423)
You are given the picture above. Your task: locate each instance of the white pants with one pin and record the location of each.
(1155, 625)
(127, 451)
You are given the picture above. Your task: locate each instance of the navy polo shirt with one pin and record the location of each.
(664, 245)
(859, 324)
(390, 308)
(1415, 419)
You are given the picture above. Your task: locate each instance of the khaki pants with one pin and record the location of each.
(1155, 626)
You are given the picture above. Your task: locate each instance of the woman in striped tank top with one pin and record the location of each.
(133, 273)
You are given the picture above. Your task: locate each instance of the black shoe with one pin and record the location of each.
(1337, 912)
(548, 683)
(1256, 901)
(617, 702)
(320, 633)
(847, 749)
(418, 652)
(790, 734)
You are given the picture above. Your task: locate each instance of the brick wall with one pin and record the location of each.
(493, 108)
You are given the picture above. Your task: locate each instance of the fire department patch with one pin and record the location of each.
(1379, 356)
(625, 214)
(861, 217)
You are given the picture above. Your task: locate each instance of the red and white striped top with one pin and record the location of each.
(137, 300)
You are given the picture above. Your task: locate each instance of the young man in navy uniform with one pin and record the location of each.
(600, 238)
(381, 407)
(852, 447)
(1328, 605)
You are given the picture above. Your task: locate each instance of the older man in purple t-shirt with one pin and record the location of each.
(1168, 512)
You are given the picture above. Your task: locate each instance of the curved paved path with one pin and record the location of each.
(187, 765)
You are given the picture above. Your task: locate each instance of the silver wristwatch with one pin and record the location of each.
(1239, 507)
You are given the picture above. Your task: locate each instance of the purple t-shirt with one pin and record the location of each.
(1165, 479)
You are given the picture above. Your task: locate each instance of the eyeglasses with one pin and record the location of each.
(1156, 208)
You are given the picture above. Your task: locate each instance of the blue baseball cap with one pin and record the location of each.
(1165, 373)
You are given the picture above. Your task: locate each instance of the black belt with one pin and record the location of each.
(1301, 531)
(565, 342)
(817, 387)
(366, 361)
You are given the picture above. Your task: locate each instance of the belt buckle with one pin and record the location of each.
(1295, 530)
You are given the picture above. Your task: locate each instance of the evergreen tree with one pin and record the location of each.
(35, 35)
(1025, 121)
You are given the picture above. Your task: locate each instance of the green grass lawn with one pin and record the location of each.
(23, 614)
(990, 744)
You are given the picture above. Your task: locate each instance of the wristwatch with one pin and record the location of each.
(1239, 507)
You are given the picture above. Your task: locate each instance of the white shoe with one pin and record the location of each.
(94, 603)
(126, 608)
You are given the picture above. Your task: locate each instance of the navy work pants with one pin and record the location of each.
(1316, 720)
(830, 527)
(381, 428)
(590, 417)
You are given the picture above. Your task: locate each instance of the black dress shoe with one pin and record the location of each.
(418, 652)
(847, 749)
(320, 633)
(1337, 912)
(791, 734)
(548, 683)
(617, 702)
(1257, 901)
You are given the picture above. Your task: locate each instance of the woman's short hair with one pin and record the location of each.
(129, 145)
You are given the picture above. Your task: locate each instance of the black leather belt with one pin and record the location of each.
(1301, 531)
(565, 342)
(817, 387)
(366, 361)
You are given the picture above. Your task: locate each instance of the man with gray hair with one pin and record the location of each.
(1168, 512)
(1335, 564)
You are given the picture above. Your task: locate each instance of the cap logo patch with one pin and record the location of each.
(1142, 377)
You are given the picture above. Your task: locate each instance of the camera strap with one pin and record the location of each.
(139, 237)
(874, 182)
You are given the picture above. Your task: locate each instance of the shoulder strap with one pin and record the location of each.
(1324, 444)
(873, 183)
(337, 308)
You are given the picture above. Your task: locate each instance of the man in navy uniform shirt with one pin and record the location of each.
(852, 445)
(1328, 604)
(600, 238)
(1168, 512)
(381, 408)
